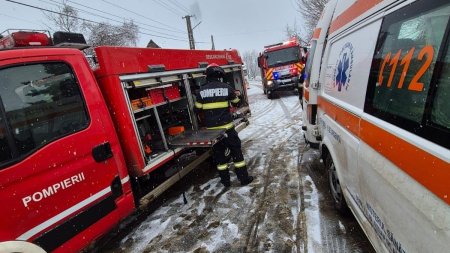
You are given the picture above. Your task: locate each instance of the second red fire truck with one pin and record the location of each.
(281, 66)
(81, 149)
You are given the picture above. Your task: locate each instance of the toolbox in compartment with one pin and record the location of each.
(139, 99)
(141, 103)
(156, 95)
(163, 93)
(172, 92)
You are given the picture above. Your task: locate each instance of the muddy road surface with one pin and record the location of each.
(287, 208)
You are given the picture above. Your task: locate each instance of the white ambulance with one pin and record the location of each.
(377, 103)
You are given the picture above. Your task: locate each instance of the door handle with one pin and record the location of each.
(102, 152)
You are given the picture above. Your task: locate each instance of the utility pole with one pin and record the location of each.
(212, 42)
(190, 32)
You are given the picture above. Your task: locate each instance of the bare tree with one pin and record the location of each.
(250, 60)
(67, 20)
(311, 11)
(125, 34)
(106, 34)
(293, 32)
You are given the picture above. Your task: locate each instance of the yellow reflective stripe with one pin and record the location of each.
(226, 126)
(216, 105)
(198, 105)
(222, 166)
(239, 164)
(269, 74)
(236, 100)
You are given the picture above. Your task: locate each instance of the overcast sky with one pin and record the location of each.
(240, 24)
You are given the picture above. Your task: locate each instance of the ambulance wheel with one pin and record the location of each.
(270, 95)
(335, 187)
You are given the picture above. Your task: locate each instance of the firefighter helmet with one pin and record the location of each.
(214, 71)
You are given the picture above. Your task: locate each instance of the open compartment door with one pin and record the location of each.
(200, 138)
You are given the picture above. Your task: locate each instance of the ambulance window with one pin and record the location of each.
(42, 102)
(310, 59)
(404, 60)
(440, 113)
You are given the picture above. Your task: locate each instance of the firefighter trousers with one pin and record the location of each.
(231, 143)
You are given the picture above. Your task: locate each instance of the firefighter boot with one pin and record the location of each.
(225, 178)
(243, 176)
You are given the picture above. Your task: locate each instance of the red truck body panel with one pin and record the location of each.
(122, 60)
(114, 62)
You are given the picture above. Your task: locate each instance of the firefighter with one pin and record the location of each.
(214, 99)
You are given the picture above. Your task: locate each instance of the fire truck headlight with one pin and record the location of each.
(269, 83)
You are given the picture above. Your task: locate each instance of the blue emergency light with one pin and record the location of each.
(276, 75)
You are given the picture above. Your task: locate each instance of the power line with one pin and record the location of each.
(21, 19)
(107, 13)
(179, 5)
(110, 19)
(169, 8)
(54, 12)
(86, 20)
(135, 13)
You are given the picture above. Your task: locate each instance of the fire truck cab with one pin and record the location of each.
(81, 149)
(281, 66)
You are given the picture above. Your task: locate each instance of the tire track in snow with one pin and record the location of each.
(287, 112)
(301, 225)
(251, 238)
(280, 121)
(260, 113)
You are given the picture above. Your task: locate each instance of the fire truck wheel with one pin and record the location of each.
(270, 95)
(19, 246)
(335, 187)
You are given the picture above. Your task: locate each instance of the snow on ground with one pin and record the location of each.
(278, 212)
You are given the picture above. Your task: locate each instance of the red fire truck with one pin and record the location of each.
(81, 149)
(281, 66)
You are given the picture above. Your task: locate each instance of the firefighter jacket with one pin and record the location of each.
(214, 99)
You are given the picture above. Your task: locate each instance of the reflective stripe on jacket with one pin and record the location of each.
(214, 99)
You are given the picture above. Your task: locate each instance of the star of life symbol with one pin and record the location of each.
(344, 66)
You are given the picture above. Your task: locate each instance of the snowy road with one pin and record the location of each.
(286, 209)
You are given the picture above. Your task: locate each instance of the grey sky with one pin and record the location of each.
(240, 24)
